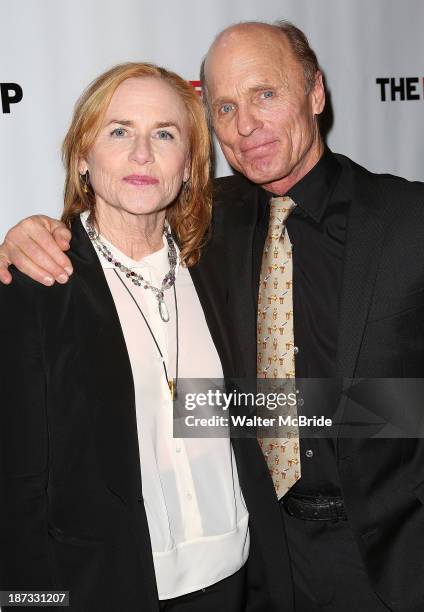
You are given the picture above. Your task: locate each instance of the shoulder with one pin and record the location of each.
(21, 288)
(392, 187)
(18, 304)
(235, 197)
(229, 188)
(24, 297)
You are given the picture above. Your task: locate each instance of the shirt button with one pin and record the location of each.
(295, 350)
(300, 401)
(189, 496)
(309, 453)
(178, 449)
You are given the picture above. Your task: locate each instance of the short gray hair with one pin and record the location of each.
(302, 51)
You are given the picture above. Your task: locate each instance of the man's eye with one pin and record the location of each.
(226, 108)
(267, 94)
(119, 131)
(164, 135)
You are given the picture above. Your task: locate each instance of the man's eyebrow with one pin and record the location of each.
(262, 87)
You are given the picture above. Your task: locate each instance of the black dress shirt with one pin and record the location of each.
(317, 231)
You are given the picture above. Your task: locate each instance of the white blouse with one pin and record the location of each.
(196, 513)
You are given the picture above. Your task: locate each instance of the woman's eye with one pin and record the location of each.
(164, 135)
(119, 131)
(226, 108)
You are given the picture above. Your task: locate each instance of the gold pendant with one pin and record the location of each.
(171, 388)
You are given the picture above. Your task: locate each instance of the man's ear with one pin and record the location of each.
(318, 94)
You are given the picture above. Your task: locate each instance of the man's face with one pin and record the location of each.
(262, 117)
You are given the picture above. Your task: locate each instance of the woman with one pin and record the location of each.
(100, 499)
(132, 143)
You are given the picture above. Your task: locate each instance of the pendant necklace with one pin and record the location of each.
(136, 278)
(172, 382)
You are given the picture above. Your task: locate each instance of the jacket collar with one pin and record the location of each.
(243, 267)
(364, 243)
(108, 372)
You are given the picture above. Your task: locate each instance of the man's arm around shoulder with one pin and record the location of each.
(36, 247)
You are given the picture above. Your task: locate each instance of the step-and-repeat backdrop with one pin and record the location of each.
(372, 53)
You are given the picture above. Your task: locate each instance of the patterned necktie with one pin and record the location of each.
(276, 350)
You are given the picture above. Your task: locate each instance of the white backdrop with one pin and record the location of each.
(53, 48)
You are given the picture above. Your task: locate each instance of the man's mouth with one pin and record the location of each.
(257, 149)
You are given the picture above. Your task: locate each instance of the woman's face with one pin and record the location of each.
(141, 154)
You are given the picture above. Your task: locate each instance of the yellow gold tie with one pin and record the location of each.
(275, 335)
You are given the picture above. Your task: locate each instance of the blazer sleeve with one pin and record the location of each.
(24, 561)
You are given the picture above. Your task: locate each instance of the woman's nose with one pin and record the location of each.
(141, 151)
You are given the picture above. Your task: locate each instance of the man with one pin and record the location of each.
(355, 517)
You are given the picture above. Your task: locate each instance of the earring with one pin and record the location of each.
(186, 189)
(84, 179)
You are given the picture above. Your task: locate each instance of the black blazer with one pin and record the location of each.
(71, 500)
(381, 334)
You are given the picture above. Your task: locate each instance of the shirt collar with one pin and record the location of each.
(313, 192)
(157, 261)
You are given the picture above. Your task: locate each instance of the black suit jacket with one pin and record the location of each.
(71, 497)
(380, 334)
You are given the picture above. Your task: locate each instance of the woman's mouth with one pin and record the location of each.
(140, 179)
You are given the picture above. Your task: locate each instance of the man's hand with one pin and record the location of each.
(35, 246)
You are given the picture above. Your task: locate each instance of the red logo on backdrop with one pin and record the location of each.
(197, 86)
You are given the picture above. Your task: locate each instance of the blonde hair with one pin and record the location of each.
(190, 215)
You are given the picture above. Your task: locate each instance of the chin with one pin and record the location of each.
(262, 171)
(141, 208)
(261, 177)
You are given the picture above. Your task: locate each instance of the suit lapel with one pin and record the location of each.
(365, 235)
(211, 291)
(243, 267)
(107, 369)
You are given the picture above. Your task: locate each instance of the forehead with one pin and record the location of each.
(245, 59)
(146, 97)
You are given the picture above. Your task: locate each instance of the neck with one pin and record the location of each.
(282, 186)
(135, 235)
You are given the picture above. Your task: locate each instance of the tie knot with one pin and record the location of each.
(280, 208)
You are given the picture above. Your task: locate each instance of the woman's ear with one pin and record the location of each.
(187, 170)
(82, 166)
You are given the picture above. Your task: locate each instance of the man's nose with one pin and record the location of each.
(141, 151)
(247, 121)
